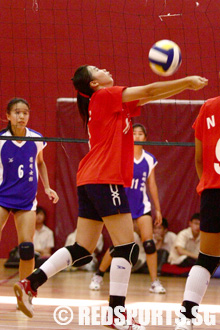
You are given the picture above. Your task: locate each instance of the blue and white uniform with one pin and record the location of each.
(19, 171)
(137, 194)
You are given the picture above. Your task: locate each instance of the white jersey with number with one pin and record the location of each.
(19, 171)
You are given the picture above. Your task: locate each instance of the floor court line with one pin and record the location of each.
(90, 303)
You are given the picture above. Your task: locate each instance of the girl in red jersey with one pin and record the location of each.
(102, 175)
(207, 161)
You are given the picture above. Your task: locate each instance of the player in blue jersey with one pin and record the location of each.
(20, 163)
(140, 206)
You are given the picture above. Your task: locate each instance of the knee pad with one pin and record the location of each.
(208, 262)
(149, 246)
(80, 256)
(26, 250)
(129, 252)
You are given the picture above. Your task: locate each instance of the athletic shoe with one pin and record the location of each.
(157, 287)
(24, 295)
(187, 326)
(96, 282)
(126, 326)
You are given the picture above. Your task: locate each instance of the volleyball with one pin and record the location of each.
(165, 57)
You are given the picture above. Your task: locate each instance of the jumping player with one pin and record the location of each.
(20, 162)
(207, 158)
(102, 175)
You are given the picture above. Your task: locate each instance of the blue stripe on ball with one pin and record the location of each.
(170, 55)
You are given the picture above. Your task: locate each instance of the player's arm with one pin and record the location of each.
(42, 168)
(155, 196)
(160, 90)
(198, 157)
(45, 252)
(185, 252)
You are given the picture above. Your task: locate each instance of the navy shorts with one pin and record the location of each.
(10, 209)
(210, 211)
(101, 200)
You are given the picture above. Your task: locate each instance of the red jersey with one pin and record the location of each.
(110, 159)
(207, 130)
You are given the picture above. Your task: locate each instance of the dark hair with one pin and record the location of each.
(142, 127)
(10, 104)
(164, 223)
(41, 209)
(81, 81)
(195, 216)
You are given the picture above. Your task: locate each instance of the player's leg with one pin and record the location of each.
(125, 254)
(112, 205)
(78, 255)
(89, 227)
(199, 277)
(25, 225)
(209, 256)
(4, 213)
(145, 225)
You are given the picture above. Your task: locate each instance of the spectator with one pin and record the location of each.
(185, 250)
(43, 238)
(164, 241)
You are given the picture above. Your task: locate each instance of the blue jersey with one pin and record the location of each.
(137, 194)
(19, 171)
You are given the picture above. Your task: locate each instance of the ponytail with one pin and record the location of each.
(81, 81)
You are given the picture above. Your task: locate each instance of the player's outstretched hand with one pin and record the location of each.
(52, 195)
(197, 82)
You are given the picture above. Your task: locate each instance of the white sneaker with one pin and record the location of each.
(157, 287)
(96, 282)
(187, 326)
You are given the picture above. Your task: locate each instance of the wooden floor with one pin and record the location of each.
(71, 289)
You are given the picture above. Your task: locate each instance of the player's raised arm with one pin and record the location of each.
(160, 90)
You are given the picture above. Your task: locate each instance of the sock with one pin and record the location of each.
(100, 273)
(57, 262)
(115, 301)
(37, 278)
(196, 284)
(119, 277)
(188, 306)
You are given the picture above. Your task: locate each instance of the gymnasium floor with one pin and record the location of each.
(71, 289)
